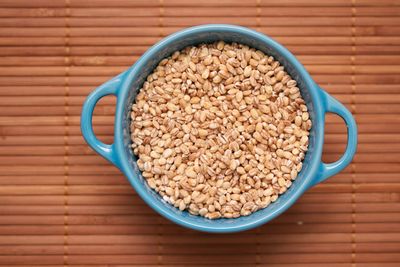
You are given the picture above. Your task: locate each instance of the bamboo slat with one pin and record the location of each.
(323, 60)
(179, 3)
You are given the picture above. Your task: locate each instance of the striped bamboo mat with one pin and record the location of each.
(63, 205)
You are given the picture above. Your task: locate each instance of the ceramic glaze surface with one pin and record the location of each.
(126, 86)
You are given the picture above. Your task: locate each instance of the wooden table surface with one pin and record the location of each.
(63, 205)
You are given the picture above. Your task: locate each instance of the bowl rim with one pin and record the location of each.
(318, 122)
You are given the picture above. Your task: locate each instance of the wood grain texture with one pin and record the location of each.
(63, 205)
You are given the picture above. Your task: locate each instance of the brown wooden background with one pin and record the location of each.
(63, 205)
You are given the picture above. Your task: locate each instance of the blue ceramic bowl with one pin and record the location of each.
(126, 86)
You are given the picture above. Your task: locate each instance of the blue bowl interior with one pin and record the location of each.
(154, 56)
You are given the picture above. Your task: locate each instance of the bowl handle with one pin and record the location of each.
(108, 88)
(329, 169)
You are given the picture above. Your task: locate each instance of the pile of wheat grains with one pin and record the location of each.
(220, 130)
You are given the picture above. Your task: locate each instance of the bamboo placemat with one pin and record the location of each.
(63, 205)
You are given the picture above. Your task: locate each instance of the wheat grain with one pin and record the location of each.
(220, 130)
